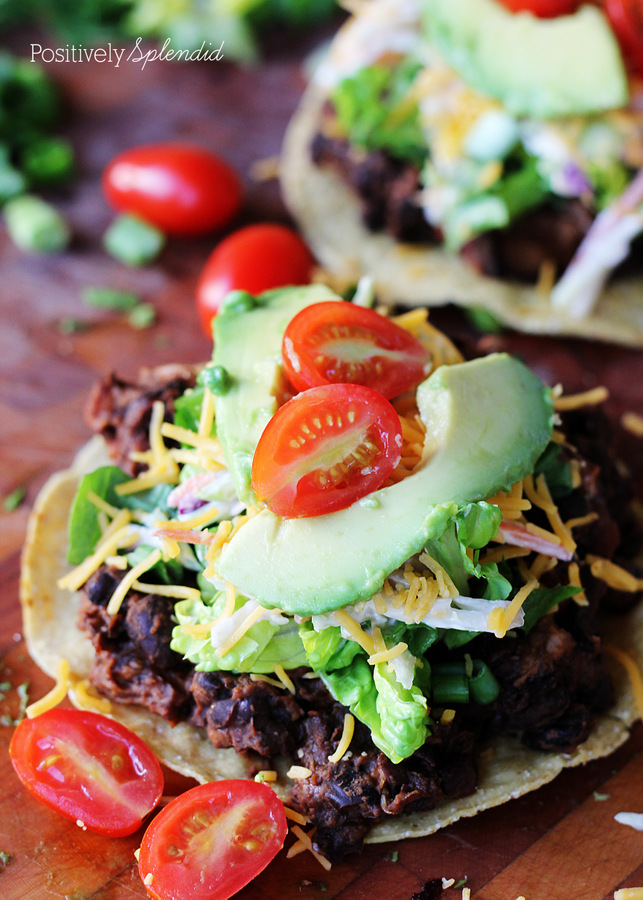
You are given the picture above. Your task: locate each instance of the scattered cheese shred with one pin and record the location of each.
(355, 630)
(88, 698)
(383, 656)
(635, 893)
(202, 518)
(539, 495)
(500, 619)
(633, 423)
(162, 467)
(103, 505)
(447, 716)
(295, 816)
(345, 740)
(305, 843)
(614, 576)
(574, 579)
(117, 536)
(633, 672)
(239, 632)
(177, 591)
(254, 676)
(266, 775)
(587, 398)
(298, 772)
(284, 679)
(126, 583)
(53, 697)
(579, 521)
(206, 420)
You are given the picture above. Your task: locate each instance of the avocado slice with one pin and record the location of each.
(541, 68)
(487, 422)
(247, 344)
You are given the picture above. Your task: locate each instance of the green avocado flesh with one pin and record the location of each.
(541, 68)
(247, 343)
(487, 422)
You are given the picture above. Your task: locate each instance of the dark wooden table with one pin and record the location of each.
(559, 842)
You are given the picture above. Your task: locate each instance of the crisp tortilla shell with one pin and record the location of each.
(507, 769)
(328, 212)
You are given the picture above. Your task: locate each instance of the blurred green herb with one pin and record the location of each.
(132, 241)
(13, 500)
(142, 316)
(110, 298)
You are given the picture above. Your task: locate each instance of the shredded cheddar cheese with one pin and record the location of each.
(177, 591)
(635, 893)
(587, 398)
(254, 676)
(633, 672)
(117, 536)
(355, 631)
(574, 579)
(305, 843)
(206, 420)
(88, 698)
(53, 697)
(540, 496)
(383, 656)
(103, 505)
(266, 775)
(633, 423)
(448, 715)
(197, 521)
(614, 576)
(500, 619)
(126, 583)
(295, 816)
(285, 679)
(345, 740)
(298, 772)
(239, 632)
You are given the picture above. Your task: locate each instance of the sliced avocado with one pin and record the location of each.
(541, 68)
(247, 344)
(487, 423)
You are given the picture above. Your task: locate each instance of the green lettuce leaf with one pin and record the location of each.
(327, 650)
(263, 646)
(396, 717)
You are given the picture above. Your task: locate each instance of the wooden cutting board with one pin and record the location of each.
(561, 842)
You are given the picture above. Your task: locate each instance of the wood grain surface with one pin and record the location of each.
(561, 842)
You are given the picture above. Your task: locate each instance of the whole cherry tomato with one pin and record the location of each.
(212, 840)
(254, 259)
(341, 342)
(181, 189)
(544, 9)
(88, 768)
(326, 448)
(626, 19)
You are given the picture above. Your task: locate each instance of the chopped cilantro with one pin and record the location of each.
(5, 859)
(14, 499)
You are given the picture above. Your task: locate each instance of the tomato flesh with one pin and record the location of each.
(254, 259)
(326, 448)
(183, 190)
(544, 9)
(626, 19)
(88, 768)
(212, 840)
(340, 342)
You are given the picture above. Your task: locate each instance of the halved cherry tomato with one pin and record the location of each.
(212, 840)
(254, 259)
(183, 190)
(326, 448)
(88, 768)
(340, 342)
(544, 9)
(626, 19)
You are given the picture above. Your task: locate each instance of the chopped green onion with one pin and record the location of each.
(69, 325)
(110, 298)
(483, 320)
(12, 182)
(482, 683)
(449, 688)
(35, 226)
(142, 316)
(14, 499)
(133, 241)
(48, 161)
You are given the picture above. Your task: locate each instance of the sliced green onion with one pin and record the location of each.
(110, 298)
(35, 226)
(14, 499)
(132, 241)
(482, 684)
(48, 161)
(449, 688)
(143, 315)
